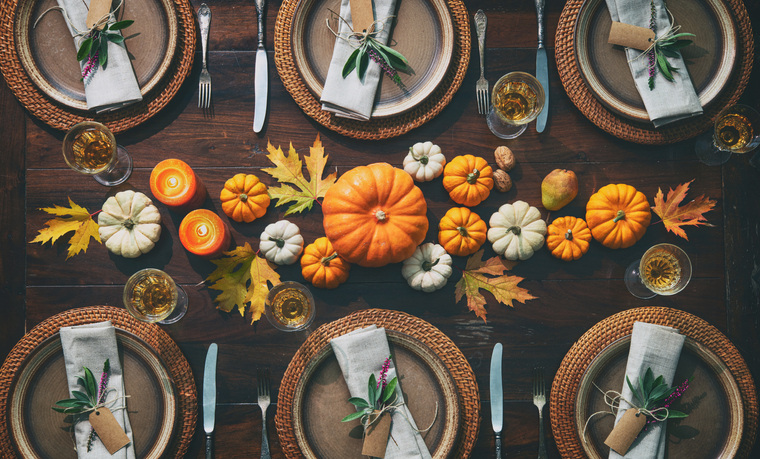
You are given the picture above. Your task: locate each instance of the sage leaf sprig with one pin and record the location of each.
(380, 395)
(650, 391)
(94, 48)
(668, 48)
(390, 60)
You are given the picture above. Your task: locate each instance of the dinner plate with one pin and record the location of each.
(40, 432)
(713, 402)
(423, 32)
(48, 54)
(709, 59)
(321, 401)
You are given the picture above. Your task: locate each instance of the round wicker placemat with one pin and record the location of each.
(61, 117)
(645, 133)
(374, 129)
(440, 344)
(566, 382)
(151, 334)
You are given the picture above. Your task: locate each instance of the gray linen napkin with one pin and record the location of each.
(360, 353)
(110, 88)
(669, 101)
(349, 97)
(659, 348)
(89, 346)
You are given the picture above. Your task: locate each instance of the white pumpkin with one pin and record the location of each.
(129, 224)
(281, 243)
(424, 162)
(516, 231)
(428, 269)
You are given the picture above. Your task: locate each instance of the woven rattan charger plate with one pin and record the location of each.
(639, 132)
(440, 344)
(566, 383)
(374, 129)
(152, 335)
(62, 117)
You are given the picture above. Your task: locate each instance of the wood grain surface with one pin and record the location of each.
(36, 281)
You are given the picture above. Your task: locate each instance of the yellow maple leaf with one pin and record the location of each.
(288, 171)
(74, 218)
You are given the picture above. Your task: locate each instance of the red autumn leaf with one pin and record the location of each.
(690, 214)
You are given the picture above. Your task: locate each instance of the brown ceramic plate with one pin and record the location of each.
(604, 67)
(40, 432)
(321, 401)
(423, 33)
(713, 402)
(48, 54)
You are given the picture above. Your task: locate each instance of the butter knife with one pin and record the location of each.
(542, 67)
(497, 397)
(261, 78)
(209, 398)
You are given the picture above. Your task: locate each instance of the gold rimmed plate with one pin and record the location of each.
(604, 67)
(48, 54)
(713, 402)
(422, 31)
(39, 432)
(321, 401)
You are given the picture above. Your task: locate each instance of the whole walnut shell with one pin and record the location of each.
(502, 180)
(504, 158)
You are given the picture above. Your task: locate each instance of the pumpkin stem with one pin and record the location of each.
(280, 242)
(427, 265)
(326, 260)
(515, 229)
(129, 224)
(380, 215)
(463, 231)
(424, 160)
(569, 235)
(472, 177)
(620, 215)
(243, 197)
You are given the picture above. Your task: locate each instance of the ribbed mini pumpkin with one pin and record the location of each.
(375, 215)
(468, 179)
(568, 238)
(244, 198)
(461, 232)
(618, 215)
(322, 266)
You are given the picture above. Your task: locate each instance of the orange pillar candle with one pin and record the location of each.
(203, 233)
(175, 184)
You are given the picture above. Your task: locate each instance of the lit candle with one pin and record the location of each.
(203, 233)
(175, 184)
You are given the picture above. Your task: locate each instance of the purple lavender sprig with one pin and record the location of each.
(652, 57)
(383, 381)
(390, 71)
(676, 394)
(102, 390)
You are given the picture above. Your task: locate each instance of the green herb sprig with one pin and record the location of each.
(668, 48)
(380, 395)
(83, 401)
(390, 60)
(651, 391)
(94, 48)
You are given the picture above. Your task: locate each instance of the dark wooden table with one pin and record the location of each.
(36, 281)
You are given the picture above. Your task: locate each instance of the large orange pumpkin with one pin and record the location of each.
(375, 215)
(321, 265)
(468, 179)
(618, 215)
(461, 232)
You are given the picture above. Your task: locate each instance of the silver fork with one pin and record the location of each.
(539, 399)
(481, 86)
(204, 83)
(263, 379)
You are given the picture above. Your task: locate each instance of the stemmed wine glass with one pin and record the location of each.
(290, 307)
(152, 296)
(517, 99)
(90, 148)
(737, 130)
(664, 269)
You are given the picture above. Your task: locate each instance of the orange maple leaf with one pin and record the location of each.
(674, 217)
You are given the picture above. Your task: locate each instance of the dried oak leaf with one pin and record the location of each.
(674, 217)
(243, 278)
(75, 218)
(289, 170)
(502, 286)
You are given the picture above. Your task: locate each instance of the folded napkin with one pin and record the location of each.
(360, 353)
(89, 346)
(349, 97)
(669, 101)
(105, 89)
(659, 348)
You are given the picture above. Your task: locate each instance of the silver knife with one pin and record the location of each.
(497, 397)
(209, 398)
(261, 78)
(542, 67)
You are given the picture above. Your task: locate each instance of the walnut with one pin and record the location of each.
(504, 158)
(502, 180)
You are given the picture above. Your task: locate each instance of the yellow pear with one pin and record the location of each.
(558, 189)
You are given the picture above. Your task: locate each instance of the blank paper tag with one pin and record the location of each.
(98, 9)
(108, 429)
(376, 437)
(630, 36)
(626, 431)
(362, 16)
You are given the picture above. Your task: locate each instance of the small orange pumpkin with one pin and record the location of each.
(468, 179)
(618, 215)
(568, 238)
(461, 232)
(321, 265)
(244, 198)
